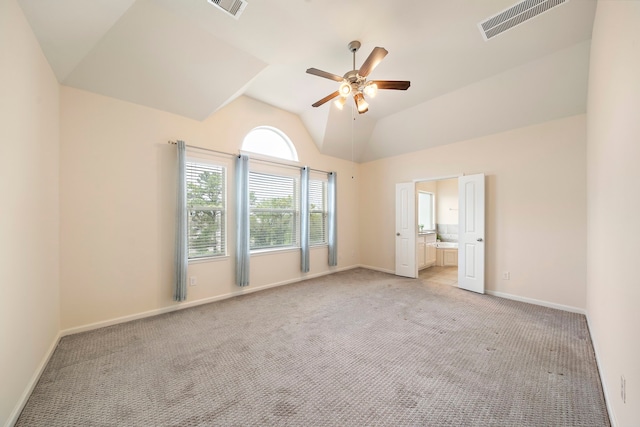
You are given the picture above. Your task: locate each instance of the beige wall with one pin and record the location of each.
(535, 206)
(428, 186)
(613, 155)
(29, 308)
(447, 201)
(118, 201)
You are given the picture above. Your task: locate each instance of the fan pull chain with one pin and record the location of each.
(353, 120)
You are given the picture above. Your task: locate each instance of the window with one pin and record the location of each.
(206, 193)
(274, 211)
(270, 142)
(426, 211)
(274, 205)
(317, 212)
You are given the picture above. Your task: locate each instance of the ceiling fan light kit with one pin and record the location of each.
(345, 89)
(355, 81)
(371, 89)
(361, 104)
(340, 102)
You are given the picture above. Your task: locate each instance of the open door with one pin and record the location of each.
(406, 230)
(471, 233)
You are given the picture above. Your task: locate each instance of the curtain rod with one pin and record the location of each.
(204, 149)
(255, 160)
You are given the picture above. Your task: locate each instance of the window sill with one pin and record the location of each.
(209, 259)
(261, 252)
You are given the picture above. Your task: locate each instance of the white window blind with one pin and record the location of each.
(274, 211)
(317, 212)
(206, 193)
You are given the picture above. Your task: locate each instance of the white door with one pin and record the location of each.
(406, 230)
(471, 233)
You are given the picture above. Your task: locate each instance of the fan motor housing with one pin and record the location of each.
(355, 80)
(352, 76)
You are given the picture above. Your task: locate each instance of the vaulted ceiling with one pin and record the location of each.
(189, 58)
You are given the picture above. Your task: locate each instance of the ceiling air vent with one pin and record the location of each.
(230, 7)
(516, 15)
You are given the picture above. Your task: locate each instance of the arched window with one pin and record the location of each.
(271, 142)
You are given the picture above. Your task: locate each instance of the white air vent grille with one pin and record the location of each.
(515, 15)
(230, 7)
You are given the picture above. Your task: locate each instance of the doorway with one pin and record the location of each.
(437, 213)
(450, 226)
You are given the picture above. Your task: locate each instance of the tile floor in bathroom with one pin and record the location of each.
(440, 275)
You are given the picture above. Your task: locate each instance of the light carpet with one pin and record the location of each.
(357, 348)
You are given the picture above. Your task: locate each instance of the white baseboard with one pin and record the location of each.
(15, 414)
(537, 302)
(183, 305)
(568, 308)
(608, 397)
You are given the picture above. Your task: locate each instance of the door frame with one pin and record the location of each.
(417, 180)
(438, 178)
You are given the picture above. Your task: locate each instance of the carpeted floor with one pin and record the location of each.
(358, 348)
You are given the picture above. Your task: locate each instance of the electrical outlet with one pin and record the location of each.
(193, 280)
(506, 275)
(623, 389)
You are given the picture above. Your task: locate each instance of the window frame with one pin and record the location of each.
(432, 213)
(200, 158)
(285, 173)
(293, 159)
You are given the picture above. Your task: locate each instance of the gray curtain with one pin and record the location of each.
(332, 220)
(304, 219)
(242, 220)
(182, 249)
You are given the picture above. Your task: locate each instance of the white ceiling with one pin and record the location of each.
(188, 58)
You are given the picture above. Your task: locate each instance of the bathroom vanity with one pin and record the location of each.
(426, 249)
(447, 254)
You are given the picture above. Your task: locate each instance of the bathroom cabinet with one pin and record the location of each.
(431, 253)
(421, 253)
(447, 257)
(426, 250)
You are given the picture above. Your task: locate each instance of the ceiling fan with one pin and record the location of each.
(355, 81)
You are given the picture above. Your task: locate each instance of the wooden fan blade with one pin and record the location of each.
(324, 74)
(376, 55)
(392, 84)
(326, 99)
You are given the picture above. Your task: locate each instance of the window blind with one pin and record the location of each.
(274, 211)
(317, 212)
(206, 185)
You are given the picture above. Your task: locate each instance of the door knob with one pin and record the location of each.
(397, 234)
(479, 239)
